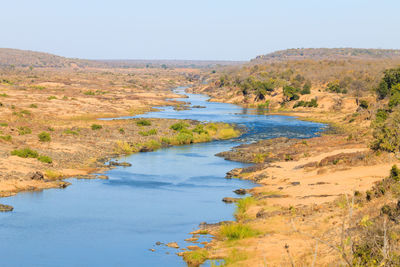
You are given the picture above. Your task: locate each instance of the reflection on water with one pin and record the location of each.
(162, 197)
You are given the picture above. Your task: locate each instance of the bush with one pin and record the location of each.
(236, 231)
(178, 126)
(121, 130)
(152, 145)
(33, 106)
(45, 159)
(6, 137)
(395, 173)
(25, 153)
(184, 138)
(242, 206)
(290, 93)
(306, 88)
(149, 132)
(334, 87)
(24, 130)
(364, 104)
(69, 131)
(310, 104)
(52, 97)
(44, 137)
(199, 129)
(196, 257)
(96, 127)
(143, 123)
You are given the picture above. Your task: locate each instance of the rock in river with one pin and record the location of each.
(230, 199)
(123, 164)
(173, 245)
(5, 208)
(240, 191)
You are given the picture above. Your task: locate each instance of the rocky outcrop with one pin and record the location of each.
(36, 175)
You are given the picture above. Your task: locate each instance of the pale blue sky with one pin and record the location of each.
(203, 29)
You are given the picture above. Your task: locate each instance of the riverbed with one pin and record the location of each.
(162, 197)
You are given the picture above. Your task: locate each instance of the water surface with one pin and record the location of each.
(162, 197)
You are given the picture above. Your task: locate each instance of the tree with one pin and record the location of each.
(290, 93)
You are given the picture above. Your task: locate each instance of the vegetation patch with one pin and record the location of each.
(96, 127)
(53, 175)
(30, 153)
(236, 231)
(196, 257)
(242, 206)
(143, 123)
(149, 132)
(25, 153)
(6, 137)
(44, 137)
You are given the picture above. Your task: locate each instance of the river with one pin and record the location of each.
(162, 197)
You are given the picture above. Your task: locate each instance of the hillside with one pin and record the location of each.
(328, 53)
(25, 58)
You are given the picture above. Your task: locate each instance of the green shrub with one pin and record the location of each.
(395, 173)
(309, 104)
(179, 126)
(3, 124)
(6, 137)
(364, 104)
(199, 129)
(51, 129)
(96, 127)
(24, 130)
(184, 138)
(25, 153)
(89, 93)
(143, 123)
(290, 93)
(306, 88)
(121, 130)
(45, 159)
(44, 137)
(51, 97)
(334, 87)
(22, 113)
(69, 131)
(152, 145)
(196, 257)
(149, 132)
(33, 106)
(236, 231)
(165, 140)
(242, 205)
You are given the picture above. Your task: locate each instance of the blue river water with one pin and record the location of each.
(162, 197)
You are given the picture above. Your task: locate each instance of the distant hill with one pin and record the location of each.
(25, 58)
(328, 53)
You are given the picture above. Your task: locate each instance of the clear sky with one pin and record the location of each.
(188, 29)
